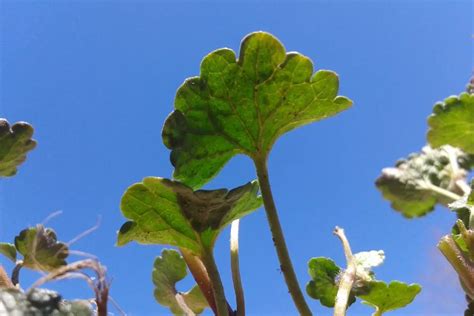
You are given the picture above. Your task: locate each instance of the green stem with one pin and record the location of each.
(278, 238)
(201, 276)
(347, 278)
(459, 262)
(217, 288)
(235, 267)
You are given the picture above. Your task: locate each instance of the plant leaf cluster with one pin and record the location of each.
(326, 277)
(412, 186)
(15, 143)
(39, 247)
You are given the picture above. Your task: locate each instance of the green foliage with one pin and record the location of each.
(15, 143)
(41, 249)
(412, 184)
(168, 212)
(169, 269)
(326, 280)
(324, 284)
(385, 298)
(452, 122)
(8, 250)
(241, 106)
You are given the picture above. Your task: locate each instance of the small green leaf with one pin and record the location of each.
(409, 184)
(15, 142)
(8, 250)
(385, 298)
(241, 106)
(163, 211)
(452, 122)
(40, 248)
(324, 284)
(169, 269)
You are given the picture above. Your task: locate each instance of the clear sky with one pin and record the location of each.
(98, 78)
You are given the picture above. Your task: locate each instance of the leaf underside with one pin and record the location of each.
(41, 249)
(452, 122)
(15, 143)
(168, 212)
(324, 284)
(241, 106)
(389, 297)
(8, 250)
(405, 185)
(169, 269)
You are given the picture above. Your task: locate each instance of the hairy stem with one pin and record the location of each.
(16, 272)
(347, 278)
(443, 192)
(278, 238)
(201, 277)
(463, 266)
(235, 267)
(216, 283)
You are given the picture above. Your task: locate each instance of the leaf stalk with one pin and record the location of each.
(235, 267)
(216, 283)
(348, 276)
(278, 238)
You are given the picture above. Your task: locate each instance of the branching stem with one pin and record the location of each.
(235, 267)
(278, 238)
(347, 278)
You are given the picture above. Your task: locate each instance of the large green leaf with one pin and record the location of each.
(163, 211)
(169, 269)
(409, 185)
(41, 249)
(15, 142)
(324, 284)
(452, 122)
(385, 298)
(241, 106)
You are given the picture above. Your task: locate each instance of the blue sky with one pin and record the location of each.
(97, 79)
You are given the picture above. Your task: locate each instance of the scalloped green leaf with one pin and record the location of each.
(8, 250)
(41, 249)
(385, 298)
(168, 212)
(169, 269)
(408, 184)
(15, 143)
(452, 122)
(241, 106)
(324, 285)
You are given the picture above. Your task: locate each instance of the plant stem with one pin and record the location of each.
(216, 283)
(16, 272)
(278, 238)
(443, 192)
(235, 267)
(200, 275)
(459, 262)
(347, 278)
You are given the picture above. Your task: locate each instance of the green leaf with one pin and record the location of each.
(15, 142)
(241, 106)
(163, 211)
(385, 298)
(41, 249)
(409, 185)
(324, 284)
(169, 269)
(8, 250)
(452, 122)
